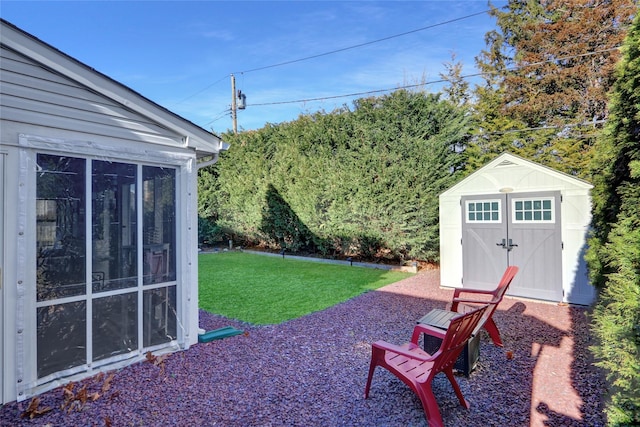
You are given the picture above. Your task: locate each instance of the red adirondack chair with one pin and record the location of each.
(417, 368)
(492, 297)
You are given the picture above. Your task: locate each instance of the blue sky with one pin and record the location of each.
(181, 54)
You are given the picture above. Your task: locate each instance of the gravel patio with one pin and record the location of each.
(311, 372)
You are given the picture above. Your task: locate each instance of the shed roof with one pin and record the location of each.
(509, 159)
(203, 142)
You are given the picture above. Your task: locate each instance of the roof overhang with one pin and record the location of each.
(203, 142)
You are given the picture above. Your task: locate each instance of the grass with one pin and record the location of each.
(267, 290)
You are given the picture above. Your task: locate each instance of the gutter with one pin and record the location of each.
(222, 146)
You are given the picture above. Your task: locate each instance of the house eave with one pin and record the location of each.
(193, 136)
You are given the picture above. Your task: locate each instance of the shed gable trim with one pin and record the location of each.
(511, 160)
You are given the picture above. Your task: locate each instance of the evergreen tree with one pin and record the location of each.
(548, 69)
(457, 90)
(614, 253)
(359, 183)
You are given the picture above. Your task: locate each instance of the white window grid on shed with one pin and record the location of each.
(533, 210)
(484, 211)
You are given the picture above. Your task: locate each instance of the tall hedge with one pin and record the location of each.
(614, 254)
(360, 182)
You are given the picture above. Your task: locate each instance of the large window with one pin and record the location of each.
(124, 298)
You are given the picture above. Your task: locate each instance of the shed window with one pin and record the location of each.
(105, 260)
(483, 211)
(533, 210)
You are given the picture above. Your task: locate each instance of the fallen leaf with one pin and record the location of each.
(107, 383)
(33, 409)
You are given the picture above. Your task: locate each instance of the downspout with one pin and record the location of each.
(208, 162)
(222, 146)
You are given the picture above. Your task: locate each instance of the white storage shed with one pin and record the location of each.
(98, 220)
(516, 212)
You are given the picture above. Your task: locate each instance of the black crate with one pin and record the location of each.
(468, 357)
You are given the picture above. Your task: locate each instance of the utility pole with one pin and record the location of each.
(234, 111)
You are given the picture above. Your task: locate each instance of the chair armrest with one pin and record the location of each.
(458, 291)
(476, 301)
(421, 328)
(383, 345)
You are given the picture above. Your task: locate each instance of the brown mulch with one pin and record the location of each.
(311, 371)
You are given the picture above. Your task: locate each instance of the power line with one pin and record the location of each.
(200, 91)
(546, 127)
(218, 117)
(466, 76)
(363, 44)
(334, 51)
(345, 95)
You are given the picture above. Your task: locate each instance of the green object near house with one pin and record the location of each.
(218, 334)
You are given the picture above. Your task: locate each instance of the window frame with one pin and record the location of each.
(27, 383)
(533, 210)
(491, 211)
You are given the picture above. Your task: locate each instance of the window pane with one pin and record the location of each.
(494, 206)
(519, 216)
(527, 205)
(115, 325)
(547, 216)
(159, 224)
(537, 215)
(160, 316)
(60, 227)
(537, 204)
(494, 216)
(62, 337)
(519, 206)
(114, 226)
(546, 204)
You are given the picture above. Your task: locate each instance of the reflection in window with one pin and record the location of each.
(69, 335)
(62, 337)
(115, 325)
(159, 224)
(114, 225)
(60, 229)
(159, 316)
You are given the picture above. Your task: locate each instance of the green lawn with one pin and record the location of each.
(266, 290)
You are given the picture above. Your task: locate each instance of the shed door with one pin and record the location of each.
(520, 229)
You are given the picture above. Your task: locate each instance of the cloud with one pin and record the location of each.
(224, 35)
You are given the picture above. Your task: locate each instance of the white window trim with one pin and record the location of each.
(483, 221)
(102, 151)
(533, 221)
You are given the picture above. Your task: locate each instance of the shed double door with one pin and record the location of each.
(522, 229)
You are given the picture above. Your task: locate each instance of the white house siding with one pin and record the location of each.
(50, 103)
(55, 106)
